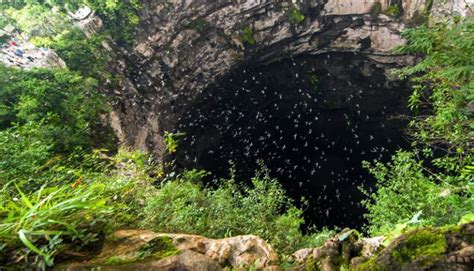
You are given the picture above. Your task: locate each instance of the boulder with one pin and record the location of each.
(447, 248)
(147, 250)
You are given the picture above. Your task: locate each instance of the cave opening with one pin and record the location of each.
(311, 119)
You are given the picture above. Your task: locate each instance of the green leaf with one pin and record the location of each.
(466, 219)
(24, 198)
(47, 258)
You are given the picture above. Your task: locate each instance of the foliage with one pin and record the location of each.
(63, 103)
(466, 218)
(120, 17)
(184, 205)
(172, 140)
(295, 16)
(68, 214)
(82, 54)
(426, 244)
(436, 176)
(36, 224)
(403, 189)
(376, 9)
(43, 220)
(393, 11)
(444, 88)
(37, 20)
(248, 37)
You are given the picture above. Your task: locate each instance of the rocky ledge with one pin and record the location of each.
(447, 248)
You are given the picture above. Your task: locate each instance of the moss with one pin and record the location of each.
(425, 245)
(313, 80)
(393, 11)
(117, 260)
(370, 265)
(247, 36)
(311, 265)
(200, 25)
(158, 248)
(376, 9)
(295, 16)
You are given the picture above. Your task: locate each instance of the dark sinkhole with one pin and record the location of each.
(312, 120)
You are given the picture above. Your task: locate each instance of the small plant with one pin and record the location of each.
(44, 220)
(376, 9)
(199, 25)
(248, 37)
(393, 11)
(295, 16)
(262, 208)
(172, 140)
(313, 80)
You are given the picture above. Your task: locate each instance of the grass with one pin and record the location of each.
(36, 225)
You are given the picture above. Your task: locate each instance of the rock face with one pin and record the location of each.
(183, 47)
(146, 250)
(447, 248)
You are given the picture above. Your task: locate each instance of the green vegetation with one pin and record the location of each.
(426, 245)
(376, 9)
(65, 186)
(70, 215)
(435, 177)
(313, 79)
(60, 193)
(157, 248)
(393, 11)
(294, 15)
(44, 115)
(230, 209)
(50, 18)
(199, 25)
(248, 37)
(172, 140)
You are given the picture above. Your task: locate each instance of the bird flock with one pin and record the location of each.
(312, 139)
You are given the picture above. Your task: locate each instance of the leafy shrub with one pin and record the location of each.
(82, 54)
(48, 218)
(403, 189)
(71, 214)
(436, 176)
(65, 103)
(295, 16)
(443, 89)
(71, 210)
(184, 205)
(393, 11)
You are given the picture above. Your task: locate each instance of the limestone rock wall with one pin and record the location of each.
(183, 46)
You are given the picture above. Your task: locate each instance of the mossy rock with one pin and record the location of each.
(426, 249)
(424, 246)
(393, 11)
(156, 249)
